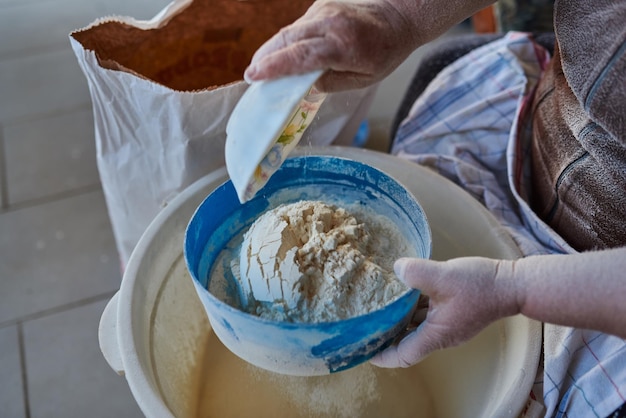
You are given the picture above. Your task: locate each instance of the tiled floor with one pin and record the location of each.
(58, 263)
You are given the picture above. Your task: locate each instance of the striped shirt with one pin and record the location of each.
(466, 126)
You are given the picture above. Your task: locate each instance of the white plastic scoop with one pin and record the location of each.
(265, 126)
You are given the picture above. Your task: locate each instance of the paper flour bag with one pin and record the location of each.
(162, 91)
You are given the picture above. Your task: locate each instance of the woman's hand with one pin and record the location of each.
(357, 42)
(585, 290)
(466, 295)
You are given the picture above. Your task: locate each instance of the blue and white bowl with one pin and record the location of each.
(304, 349)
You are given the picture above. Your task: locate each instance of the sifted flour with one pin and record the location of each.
(313, 262)
(231, 387)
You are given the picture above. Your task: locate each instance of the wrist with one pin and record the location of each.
(510, 290)
(432, 18)
(406, 15)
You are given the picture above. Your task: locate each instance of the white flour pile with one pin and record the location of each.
(313, 262)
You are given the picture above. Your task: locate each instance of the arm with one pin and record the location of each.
(586, 290)
(357, 42)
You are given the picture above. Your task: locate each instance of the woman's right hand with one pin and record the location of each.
(356, 42)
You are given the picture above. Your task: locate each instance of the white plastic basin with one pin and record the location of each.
(155, 332)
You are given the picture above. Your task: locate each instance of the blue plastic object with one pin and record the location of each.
(297, 348)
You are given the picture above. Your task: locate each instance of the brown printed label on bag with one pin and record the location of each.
(206, 45)
(222, 35)
(229, 59)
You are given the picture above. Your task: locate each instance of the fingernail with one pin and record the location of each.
(398, 267)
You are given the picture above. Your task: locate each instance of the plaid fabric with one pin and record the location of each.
(466, 126)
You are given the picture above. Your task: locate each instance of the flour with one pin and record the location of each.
(342, 395)
(313, 262)
(230, 387)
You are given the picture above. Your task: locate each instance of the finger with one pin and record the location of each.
(288, 35)
(298, 58)
(411, 350)
(288, 48)
(418, 273)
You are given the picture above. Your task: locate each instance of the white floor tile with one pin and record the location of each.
(50, 155)
(66, 372)
(12, 393)
(54, 254)
(3, 190)
(5, 3)
(35, 25)
(37, 85)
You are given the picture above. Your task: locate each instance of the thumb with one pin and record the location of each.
(427, 337)
(418, 273)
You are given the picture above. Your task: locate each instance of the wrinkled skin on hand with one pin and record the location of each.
(357, 42)
(466, 295)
